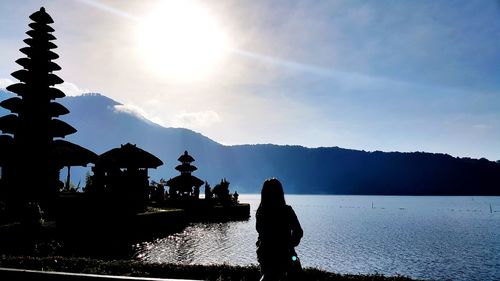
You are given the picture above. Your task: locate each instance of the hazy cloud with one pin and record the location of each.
(130, 109)
(68, 88)
(137, 112)
(197, 120)
(71, 89)
(480, 126)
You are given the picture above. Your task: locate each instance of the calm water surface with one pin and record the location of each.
(438, 238)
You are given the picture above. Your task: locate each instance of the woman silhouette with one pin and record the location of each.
(279, 232)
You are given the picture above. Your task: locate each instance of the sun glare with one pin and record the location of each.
(181, 41)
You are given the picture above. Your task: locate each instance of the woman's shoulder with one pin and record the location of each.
(289, 209)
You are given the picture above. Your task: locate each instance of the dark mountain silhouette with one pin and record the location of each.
(328, 170)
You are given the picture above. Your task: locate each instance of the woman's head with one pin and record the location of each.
(272, 194)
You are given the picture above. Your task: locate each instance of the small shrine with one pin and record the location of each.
(185, 185)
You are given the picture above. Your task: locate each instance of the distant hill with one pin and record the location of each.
(330, 170)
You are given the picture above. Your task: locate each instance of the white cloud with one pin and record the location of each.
(68, 88)
(71, 89)
(4, 82)
(130, 109)
(196, 120)
(137, 112)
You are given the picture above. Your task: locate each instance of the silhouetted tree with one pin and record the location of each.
(33, 120)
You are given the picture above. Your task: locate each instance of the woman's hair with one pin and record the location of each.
(272, 194)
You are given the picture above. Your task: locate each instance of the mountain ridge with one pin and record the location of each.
(323, 170)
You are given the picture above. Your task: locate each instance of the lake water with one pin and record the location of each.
(427, 237)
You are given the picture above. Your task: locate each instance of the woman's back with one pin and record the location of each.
(278, 227)
(279, 232)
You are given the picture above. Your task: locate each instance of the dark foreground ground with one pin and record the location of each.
(198, 272)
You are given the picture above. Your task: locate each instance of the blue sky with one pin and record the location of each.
(372, 75)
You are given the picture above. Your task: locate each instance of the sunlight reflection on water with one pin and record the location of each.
(424, 237)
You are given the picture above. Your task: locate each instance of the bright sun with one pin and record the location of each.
(181, 41)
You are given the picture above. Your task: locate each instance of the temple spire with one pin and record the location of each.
(32, 122)
(185, 184)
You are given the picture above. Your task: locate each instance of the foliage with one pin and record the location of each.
(88, 182)
(71, 187)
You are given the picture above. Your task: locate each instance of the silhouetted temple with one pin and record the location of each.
(185, 184)
(122, 173)
(221, 191)
(30, 171)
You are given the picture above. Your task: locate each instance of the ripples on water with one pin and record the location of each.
(444, 238)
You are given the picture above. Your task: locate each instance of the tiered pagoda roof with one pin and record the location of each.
(185, 167)
(185, 181)
(34, 111)
(32, 122)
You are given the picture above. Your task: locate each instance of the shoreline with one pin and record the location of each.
(223, 272)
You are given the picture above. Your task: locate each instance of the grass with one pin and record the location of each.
(197, 272)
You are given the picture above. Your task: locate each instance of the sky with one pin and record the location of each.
(369, 75)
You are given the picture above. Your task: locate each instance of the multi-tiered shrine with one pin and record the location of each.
(32, 129)
(185, 185)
